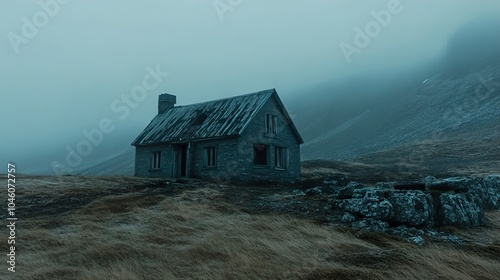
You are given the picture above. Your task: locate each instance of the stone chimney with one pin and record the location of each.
(166, 101)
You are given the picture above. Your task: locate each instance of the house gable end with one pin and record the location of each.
(282, 109)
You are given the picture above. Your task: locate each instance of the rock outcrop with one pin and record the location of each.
(460, 210)
(448, 184)
(369, 203)
(457, 201)
(413, 208)
(487, 190)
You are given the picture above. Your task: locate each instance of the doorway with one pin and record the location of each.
(180, 160)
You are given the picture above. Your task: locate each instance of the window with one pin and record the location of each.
(259, 154)
(210, 157)
(281, 157)
(156, 160)
(271, 125)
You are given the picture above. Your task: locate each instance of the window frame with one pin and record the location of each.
(155, 163)
(271, 125)
(206, 157)
(281, 156)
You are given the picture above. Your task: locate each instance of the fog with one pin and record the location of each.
(67, 72)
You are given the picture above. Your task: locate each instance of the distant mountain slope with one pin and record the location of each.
(438, 109)
(117, 164)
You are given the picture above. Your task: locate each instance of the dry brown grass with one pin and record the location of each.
(195, 234)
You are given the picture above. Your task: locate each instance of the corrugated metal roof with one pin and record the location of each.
(218, 118)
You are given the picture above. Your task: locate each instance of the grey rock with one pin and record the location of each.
(298, 193)
(405, 231)
(368, 193)
(418, 240)
(347, 218)
(371, 224)
(314, 191)
(428, 182)
(385, 185)
(348, 191)
(450, 239)
(488, 191)
(448, 184)
(432, 233)
(402, 231)
(414, 208)
(372, 205)
(460, 210)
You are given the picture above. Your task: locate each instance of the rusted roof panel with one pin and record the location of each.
(212, 119)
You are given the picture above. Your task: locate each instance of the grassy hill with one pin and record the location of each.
(75, 227)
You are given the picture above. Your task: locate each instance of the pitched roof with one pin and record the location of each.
(213, 119)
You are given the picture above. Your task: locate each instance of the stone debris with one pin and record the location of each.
(411, 213)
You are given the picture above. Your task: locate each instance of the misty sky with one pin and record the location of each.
(66, 77)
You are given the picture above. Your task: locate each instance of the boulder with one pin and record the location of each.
(488, 191)
(348, 191)
(372, 205)
(448, 184)
(460, 210)
(414, 208)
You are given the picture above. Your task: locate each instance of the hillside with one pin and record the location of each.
(439, 110)
(75, 227)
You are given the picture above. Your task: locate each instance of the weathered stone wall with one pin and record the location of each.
(255, 133)
(226, 168)
(143, 156)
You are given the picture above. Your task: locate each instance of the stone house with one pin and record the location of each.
(245, 138)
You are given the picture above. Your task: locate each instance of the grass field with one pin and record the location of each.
(131, 228)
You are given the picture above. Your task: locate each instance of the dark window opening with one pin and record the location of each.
(260, 154)
(210, 157)
(200, 119)
(156, 160)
